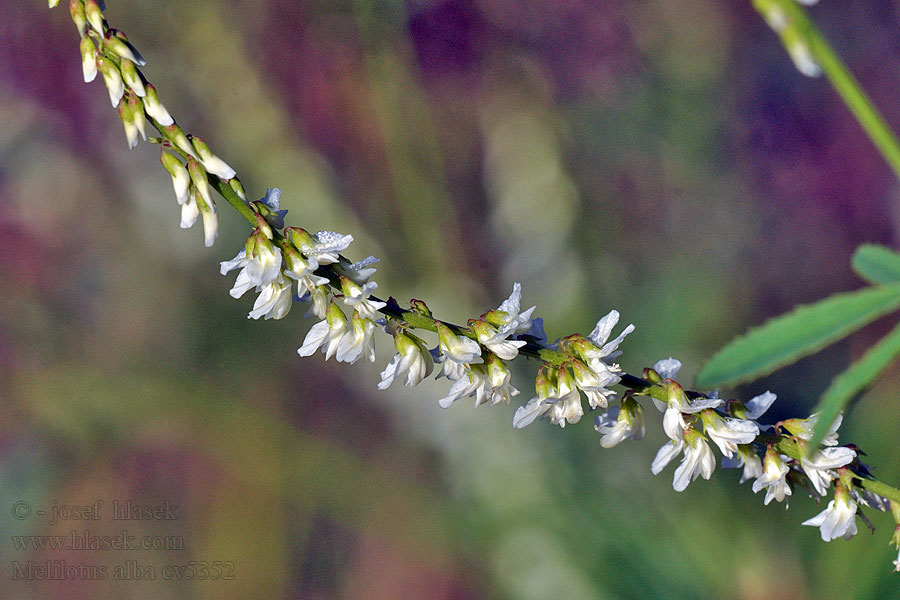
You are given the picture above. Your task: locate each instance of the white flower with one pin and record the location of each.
(324, 246)
(565, 405)
(412, 358)
(619, 423)
(302, 271)
(818, 466)
(773, 478)
(507, 317)
(839, 519)
(358, 342)
(495, 340)
(456, 349)
(747, 458)
(537, 406)
(499, 376)
(608, 350)
(698, 461)
(155, 108)
(190, 212)
(112, 78)
(358, 272)
(594, 384)
(665, 454)
(488, 382)
(758, 405)
(474, 380)
(88, 59)
(274, 300)
(319, 302)
(181, 180)
(803, 428)
(727, 432)
(262, 267)
(667, 368)
(358, 298)
(211, 162)
(326, 334)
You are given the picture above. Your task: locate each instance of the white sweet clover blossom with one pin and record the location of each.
(326, 334)
(820, 466)
(698, 460)
(773, 478)
(211, 162)
(536, 407)
(324, 247)
(358, 342)
(358, 298)
(727, 432)
(750, 460)
(839, 519)
(488, 382)
(565, 404)
(259, 263)
(803, 428)
(495, 327)
(274, 300)
(594, 384)
(455, 352)
(620, 423)
(412, 359)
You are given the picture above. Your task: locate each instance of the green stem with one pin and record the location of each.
(846, 85)
(880, 488)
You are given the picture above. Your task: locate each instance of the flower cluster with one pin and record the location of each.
(475, 357)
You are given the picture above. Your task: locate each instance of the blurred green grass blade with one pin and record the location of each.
(805, 330)
(853, 381)
(876, 264)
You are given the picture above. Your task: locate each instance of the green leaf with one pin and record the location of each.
(876, 264)
(802, 332)
(854, 380)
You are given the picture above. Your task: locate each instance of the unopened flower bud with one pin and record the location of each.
(155, 108)
(132, 78)
(181, 179)
(211, 162)
(88, 59)
(210, 219)
(76, 10)
(52, 3)
(176, 136)
(123, 47)
(235, 184)
(137, 113)
(112, 78)
(94, 15)
(198, 178)
(127, 118)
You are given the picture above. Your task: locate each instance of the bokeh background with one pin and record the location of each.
(661, 158)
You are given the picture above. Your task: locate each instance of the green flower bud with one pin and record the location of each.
(76, 10)
(94, 16)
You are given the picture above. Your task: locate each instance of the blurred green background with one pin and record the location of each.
(660, 158)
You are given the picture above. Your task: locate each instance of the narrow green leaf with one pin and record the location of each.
(854, 380)
(804, 331)
(876, 264)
